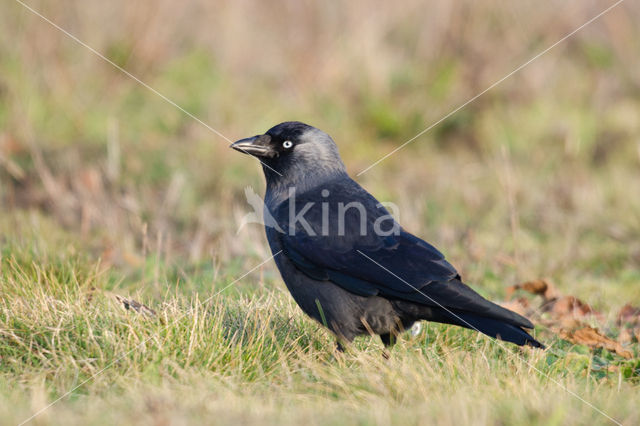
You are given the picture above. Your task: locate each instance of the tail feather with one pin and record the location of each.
(499, 330)
(496, 328)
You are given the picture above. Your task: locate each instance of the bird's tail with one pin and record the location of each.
(495, 328)
(498, 329)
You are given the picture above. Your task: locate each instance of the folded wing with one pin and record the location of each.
(377, 261)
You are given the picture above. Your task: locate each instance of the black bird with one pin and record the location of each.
(347, 263)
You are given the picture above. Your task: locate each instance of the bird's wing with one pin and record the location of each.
(365, 261)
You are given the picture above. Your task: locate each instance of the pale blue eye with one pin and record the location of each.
(287, 144)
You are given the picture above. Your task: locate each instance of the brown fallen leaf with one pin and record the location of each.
(565, 324)
(520, 305)
(541, 287)
(565, 315)
(625, 335)
(570, 306)
(629, 322)
(629, 315)
(562, 308)
(593, 338)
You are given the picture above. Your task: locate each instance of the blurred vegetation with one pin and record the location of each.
(105, 186)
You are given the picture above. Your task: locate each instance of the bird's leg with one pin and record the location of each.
(342, 341)
(389, 339)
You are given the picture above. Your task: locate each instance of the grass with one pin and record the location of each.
(250, 356)
(106, 190)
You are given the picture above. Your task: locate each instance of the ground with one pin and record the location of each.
(111, 195)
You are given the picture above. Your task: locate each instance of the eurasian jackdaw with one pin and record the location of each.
(346, 261)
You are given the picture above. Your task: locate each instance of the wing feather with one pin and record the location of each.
(399, 265)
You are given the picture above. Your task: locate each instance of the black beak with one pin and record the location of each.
(258, 146)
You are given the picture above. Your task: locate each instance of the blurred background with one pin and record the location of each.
(538, 177)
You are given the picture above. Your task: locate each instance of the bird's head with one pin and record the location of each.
(293, 152)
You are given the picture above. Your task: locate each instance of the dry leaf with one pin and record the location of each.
(629, 323)
(625, 336)
(570, 306)
(629, 315)
(542, 287)
(520, 305)
(567, 312)
(566, 323)
(593, 338)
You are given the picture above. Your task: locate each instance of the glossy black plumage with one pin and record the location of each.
(355, 275)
